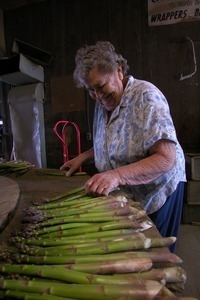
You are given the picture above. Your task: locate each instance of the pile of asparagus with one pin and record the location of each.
(74, 246)
(17, 167)
(20, 167)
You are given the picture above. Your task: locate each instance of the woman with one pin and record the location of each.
(135, 146)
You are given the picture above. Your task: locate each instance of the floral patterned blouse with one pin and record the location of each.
(142, 118)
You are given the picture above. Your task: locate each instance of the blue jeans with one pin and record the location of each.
(168, 218)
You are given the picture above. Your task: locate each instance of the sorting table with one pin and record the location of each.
(32, 187)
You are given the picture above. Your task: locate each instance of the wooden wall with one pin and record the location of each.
(158, 54)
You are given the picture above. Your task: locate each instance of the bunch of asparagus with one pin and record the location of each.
(17, 167)
(20, 167)
(74, 246)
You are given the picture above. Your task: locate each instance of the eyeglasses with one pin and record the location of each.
(97, 90)
(103, 87)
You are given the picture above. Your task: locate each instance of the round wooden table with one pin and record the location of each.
(9, 197)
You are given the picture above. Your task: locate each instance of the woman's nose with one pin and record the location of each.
(99, 94)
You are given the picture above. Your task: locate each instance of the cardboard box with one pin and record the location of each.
(192, 166)
(191, 213)
(192, 192)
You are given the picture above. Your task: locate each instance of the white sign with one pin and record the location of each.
(163, 12)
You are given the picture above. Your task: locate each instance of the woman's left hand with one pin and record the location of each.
(102, 183)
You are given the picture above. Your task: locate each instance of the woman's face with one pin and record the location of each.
(106, 88)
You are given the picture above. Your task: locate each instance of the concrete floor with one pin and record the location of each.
(188, 249)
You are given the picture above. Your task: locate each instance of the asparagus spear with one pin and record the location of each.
(112, 266)
(169, 274)
(82, 201)
(79, 209)
(63, 223)
(109, 247)
(62, 272)
(14, 294)
(143, 291)
(50, 246)
(66, 194)
(92, 230)
(79, 277)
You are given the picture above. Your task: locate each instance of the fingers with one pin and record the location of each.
(64, 167)
(98, 185)
(69, 173)
(69, 170)
(95, 189)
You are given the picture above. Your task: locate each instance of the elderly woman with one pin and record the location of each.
(135, 146)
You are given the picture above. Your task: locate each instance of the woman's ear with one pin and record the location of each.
(120, 73)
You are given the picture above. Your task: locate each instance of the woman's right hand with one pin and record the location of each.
(71, 166)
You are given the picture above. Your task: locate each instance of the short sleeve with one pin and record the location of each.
(157, 121)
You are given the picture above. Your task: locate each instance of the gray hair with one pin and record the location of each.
(101, 55)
